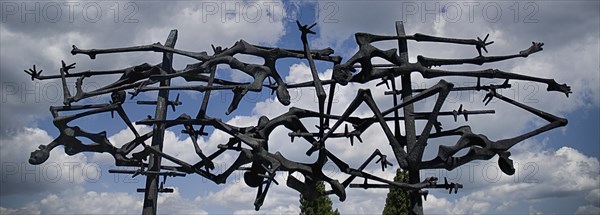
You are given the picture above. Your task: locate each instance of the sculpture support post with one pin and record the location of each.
(151, 194)
(416, 204)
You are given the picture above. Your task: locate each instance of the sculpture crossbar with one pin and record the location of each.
(251, 143)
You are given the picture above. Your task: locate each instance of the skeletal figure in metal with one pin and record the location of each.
(259, 164)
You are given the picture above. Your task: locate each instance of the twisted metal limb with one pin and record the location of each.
(481, 148)
(252, 143)
(68, 134)
(226, 56)
(366, 52)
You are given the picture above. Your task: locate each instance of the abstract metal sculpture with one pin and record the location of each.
(408, 149)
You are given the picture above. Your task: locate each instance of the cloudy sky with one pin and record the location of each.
(556, 172)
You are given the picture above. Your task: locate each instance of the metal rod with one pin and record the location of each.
(416, 204)
(376, 65)
(468, 88)
(151, 194)
(206, 97)
(367, 186)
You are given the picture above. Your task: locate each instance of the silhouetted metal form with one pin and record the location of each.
(252, 142)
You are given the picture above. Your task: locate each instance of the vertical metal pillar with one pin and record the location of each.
(158, 132)
(416, 204)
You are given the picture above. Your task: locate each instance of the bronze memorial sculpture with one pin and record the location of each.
(259, 164)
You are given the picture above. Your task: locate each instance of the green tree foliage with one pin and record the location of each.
(318, 206)
(397, 201)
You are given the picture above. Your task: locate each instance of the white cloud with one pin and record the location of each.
(27, 209)
(594, 196)
(289, 209)
(588, 209)
(238, 197)
(541, 174)
(594, 208)
(533, 211)
(77, 200)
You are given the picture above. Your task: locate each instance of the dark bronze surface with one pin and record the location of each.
(252, 142)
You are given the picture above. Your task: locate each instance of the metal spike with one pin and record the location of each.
(298, 23)
(359, 139)
(346, 130)
(438, 126)
(175, 103)
(137, 172)
(384, 81)
(201, 131)
(455, 115)
(424, 194)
